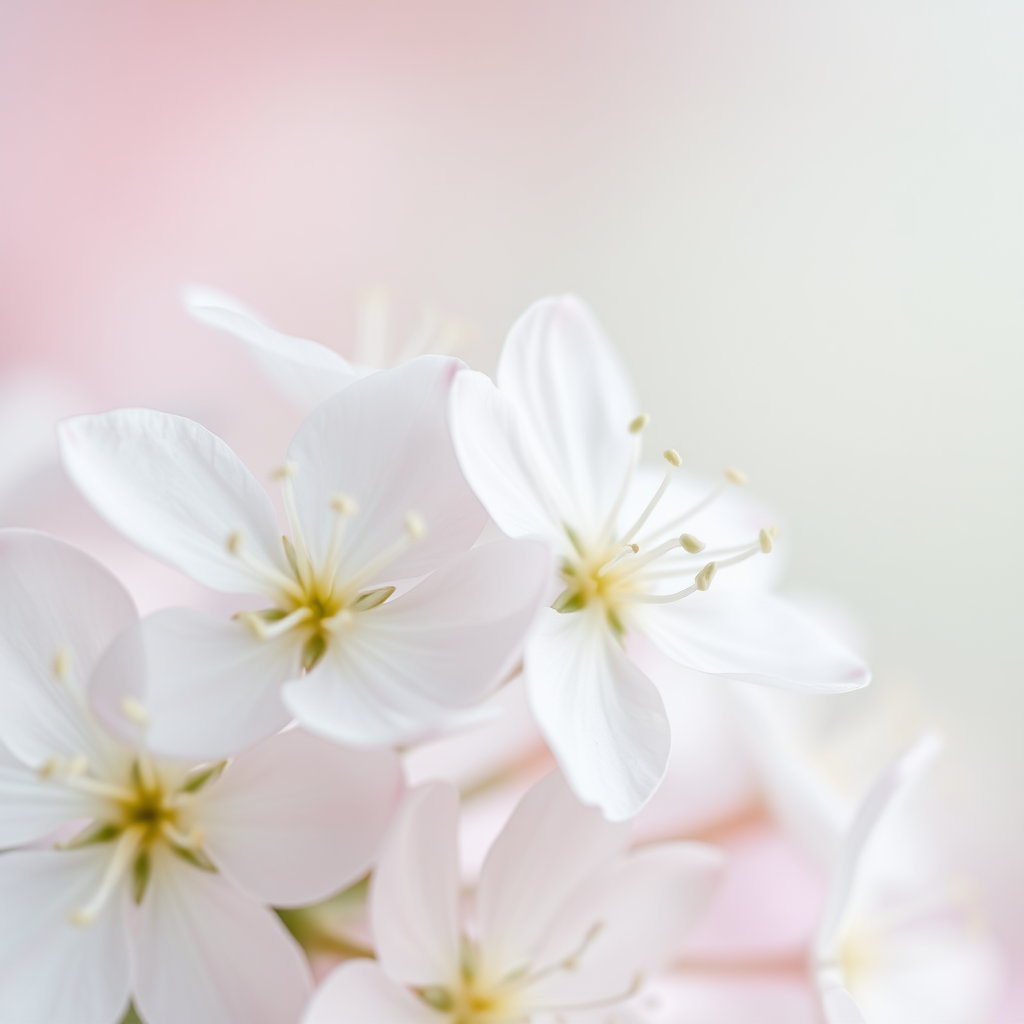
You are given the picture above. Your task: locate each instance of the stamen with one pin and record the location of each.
(121, 858)
(345, 508)
(414, 531)
(570, 962)
(271, 630)
(634, 986)
(341, 620)
(636, 564)
(766, 538)
(62, 663)
(415, 526)
(192, 841)
(629, 549)
(109, 790)
(134, 710)
(733, 477)
(636, 428)
(736, 476)
(674, 461)
(690, 543)
(284, 476)
(147, 773)
(236, 545)
(707, 574)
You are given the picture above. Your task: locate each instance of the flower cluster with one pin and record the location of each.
(455, 583)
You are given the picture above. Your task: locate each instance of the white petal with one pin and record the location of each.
(298, 818)
(59, 608)
(895, 781)
(414, 893)
(205, 952)
(757, 638)
(514, 482)
(176, 490)
(837, 1005)
(305, 370)
(384, 441)
(575, 400)
(359, 992)
(603, 718)
(551, 844)
(637, 911)
(208, 686)
(32, 805)
(52, 971)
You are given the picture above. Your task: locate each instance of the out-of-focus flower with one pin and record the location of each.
(158, 889)
(373, 497)
(307, 371)
(551, 452)
(565, 922)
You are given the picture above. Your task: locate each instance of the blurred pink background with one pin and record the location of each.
(803, 226)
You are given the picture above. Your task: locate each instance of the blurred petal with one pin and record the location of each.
(52, 971)
(603, 718)
(176, 490)
(636, 913)
(56, 604)
(576, 403)
(837, 1005)
(205, 952)
(305, 370)
(384, 442)
(414, 893)
(756, 638)
(551, 844)
(359, 992)
(299, 818)
(209, 687)
(514, 482)
(896, 780)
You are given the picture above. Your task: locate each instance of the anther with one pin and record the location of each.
(285, 471)
(690, 543)
(735, 476)
(235, 542)
(344, 505)
(62, 663)
(134, 710)
(765, 539)
(415, 526)
(638, 424)
(672, 457)
(705, 576)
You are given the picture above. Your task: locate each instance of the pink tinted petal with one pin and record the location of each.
(359, 992)
(52, 971)
(306, 371)
(298, 818)
(626, 923)
(757, 638)
(384, 442)
(603, 718)
(176, 490)
(55, 601)
(575, 402)
(837, 1005)
(550, 845)
(511, 479)
(208, 685)
(205, 952)
(752, 998)
(414, 893)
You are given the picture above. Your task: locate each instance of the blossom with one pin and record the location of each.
(157, 888)
(551, 452)
(373, 497)
(566, 920)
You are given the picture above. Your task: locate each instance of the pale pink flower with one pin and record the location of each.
(374, 497)
(551, 452)
(565, 921)
(159, 890)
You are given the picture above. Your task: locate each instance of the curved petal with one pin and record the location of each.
(551, 844)
(755, 638)
(52, 971)
(298, 818)
(602, 717)
(837, 1005)
(576, 403)
(305, 370)
(384, 441)
(209, 687)
(359, 992)
(896, 780)
(205, 952)
(414, 893)
(176, 490)
(32, 805)
(512, 480)
(628, 922)
(59, 609)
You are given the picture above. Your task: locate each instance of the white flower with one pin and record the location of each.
(551, 453)
(158, 890)
(373, 497)
(566, 920)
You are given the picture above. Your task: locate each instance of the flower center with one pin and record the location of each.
(614, 572)
(317, 600)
